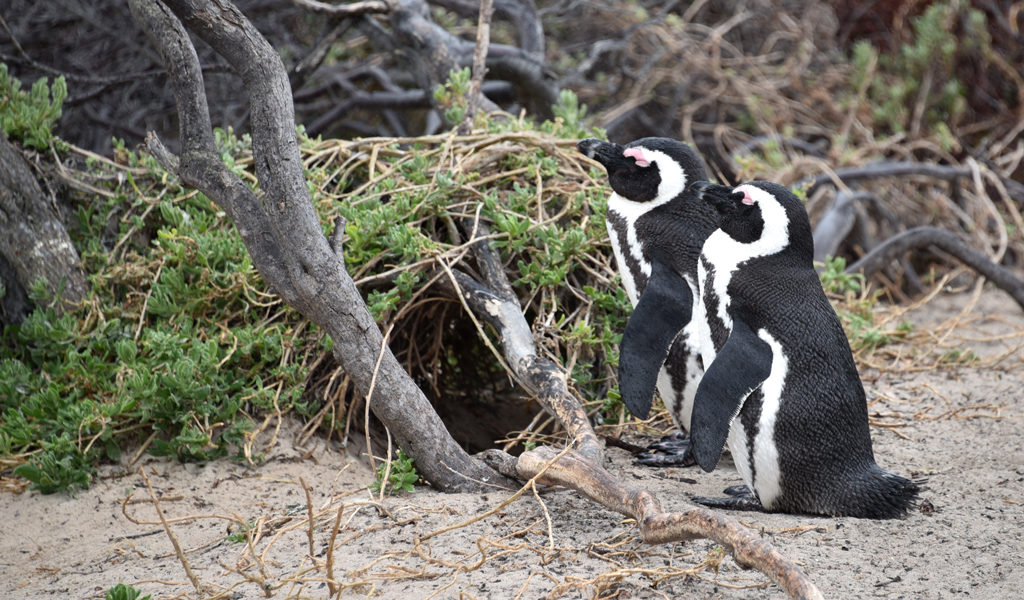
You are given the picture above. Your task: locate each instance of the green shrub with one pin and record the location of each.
(29, 117)
(179, 345)
(401, 476)
(922, 70)
(124, 592)
(172, 342)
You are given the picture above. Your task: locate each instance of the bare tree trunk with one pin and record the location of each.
(282, 231)
(34, 245)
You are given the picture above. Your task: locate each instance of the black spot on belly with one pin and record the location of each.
(676, 367)
(749, 417)
(619, 225)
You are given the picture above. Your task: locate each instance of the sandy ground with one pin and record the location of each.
(959, 425)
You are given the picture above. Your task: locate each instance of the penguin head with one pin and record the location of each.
(759, 212)
(653, 169)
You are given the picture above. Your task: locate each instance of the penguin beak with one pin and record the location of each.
(606, 153)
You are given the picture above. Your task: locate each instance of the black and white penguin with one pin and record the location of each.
(781, 386)
(657, 228)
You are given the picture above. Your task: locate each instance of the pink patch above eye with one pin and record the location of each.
(638, 155)
(747, 199)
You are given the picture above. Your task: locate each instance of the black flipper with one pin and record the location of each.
(739, 368)
(662, 312)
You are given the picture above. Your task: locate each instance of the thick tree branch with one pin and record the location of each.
(496, 304)
(922, 237)
(842, 217)
(33, 241)
(282, 232)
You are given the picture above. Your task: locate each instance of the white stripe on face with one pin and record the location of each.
(726, 254)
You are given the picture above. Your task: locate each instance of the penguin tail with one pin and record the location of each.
(879, 494)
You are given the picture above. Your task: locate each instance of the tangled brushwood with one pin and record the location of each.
(816, 106)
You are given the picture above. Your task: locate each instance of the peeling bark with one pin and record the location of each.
(497, 305)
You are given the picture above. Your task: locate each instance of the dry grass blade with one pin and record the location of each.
(170, 534)
(529, 485)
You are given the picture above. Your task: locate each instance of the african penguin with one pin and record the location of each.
(781, 386)
(657, 228)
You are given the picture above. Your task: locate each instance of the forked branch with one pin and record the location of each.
(656, 526)
(282, 231)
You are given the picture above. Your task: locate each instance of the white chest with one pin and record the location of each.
(715, 269)
(628, 249)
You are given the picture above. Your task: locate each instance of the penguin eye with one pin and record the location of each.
(745, 198)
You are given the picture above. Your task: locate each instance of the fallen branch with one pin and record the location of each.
(496, 303)
(886, 169)
(900, 169)
(656, 526)
(834, 226)
(922, 237)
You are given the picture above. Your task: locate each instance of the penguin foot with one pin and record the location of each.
(740, 497)
(738, 490)
(673, 450)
